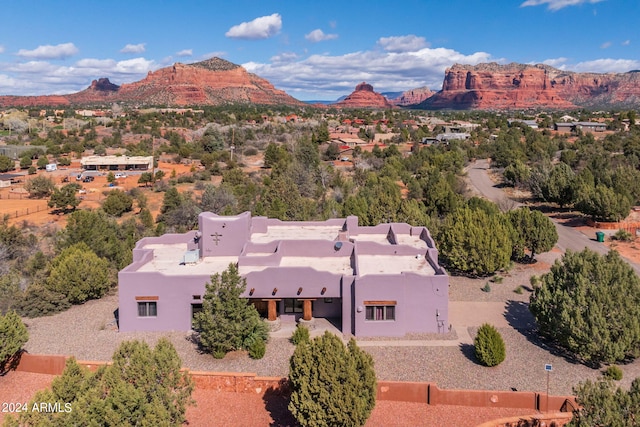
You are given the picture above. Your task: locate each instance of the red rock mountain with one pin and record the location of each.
(413, 96)
(516, 86)
(364, 97)
(211, 82)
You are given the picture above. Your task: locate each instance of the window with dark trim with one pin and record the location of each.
(292, 305)
(147, 309)
(380, 312)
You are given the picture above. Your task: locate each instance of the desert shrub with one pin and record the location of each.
(614, 372)
(257, 349)
(622, 235)
(497, 279)
(250, 151)
(489, 346)
(486, 287)
(519, 290)
(300, 334)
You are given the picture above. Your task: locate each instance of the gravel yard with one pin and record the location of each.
(89, 333)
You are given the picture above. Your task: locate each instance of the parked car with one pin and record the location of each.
(88, 179)
(121, 175)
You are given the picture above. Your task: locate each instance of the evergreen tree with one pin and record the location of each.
(603, 203)
(472, 241)
(142, 387)
(117, 203)
(13, 335)
(228, 322)
(40, 187)
(489, 346)
(64, 197)
(590, 305)
(531, 230)
(332, 384)
(79, 274)
(602, 404)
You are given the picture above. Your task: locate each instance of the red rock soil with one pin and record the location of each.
(227, 409)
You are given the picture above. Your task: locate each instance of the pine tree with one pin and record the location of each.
(332, 384)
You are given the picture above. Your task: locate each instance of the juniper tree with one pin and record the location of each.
(602, 404)
(531, 230)
(13, 335)
(227, 321)
(590, 305)
(332, 384)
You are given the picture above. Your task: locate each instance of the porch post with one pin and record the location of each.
(271, 310)
(306, 309)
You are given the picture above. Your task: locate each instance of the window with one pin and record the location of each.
(147, 309)
(380, 312)
(328, 300)
(292, 305)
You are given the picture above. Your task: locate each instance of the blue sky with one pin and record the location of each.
(311, 49)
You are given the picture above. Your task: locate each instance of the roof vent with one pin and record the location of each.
(337, 246)
(191, 257)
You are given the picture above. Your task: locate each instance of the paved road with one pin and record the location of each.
(568, 237)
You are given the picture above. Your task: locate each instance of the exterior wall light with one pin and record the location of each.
(322, 291)
(299, 290)
(252, 291)
(275, 291)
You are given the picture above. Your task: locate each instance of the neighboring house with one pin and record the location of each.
(564, 127)
(530, 123)
(371, 281)
(456, 136)
(113, 163)
(591, 126)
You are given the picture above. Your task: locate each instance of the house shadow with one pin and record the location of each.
(520, 318)
(276, 402)
(116, 316)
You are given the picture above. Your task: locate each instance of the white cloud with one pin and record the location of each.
(328, 77)
(318, 35)
(1, 49)
(605, 45)
(60, 51)
(260, 28)
(606, 65)
(133, 48)
(556, 62)
(626, 43)
(402, 43)
(557, 4)
(284, 57)
(185, 52)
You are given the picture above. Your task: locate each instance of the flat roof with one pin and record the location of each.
(167, 259)
(394, 264)
(120, 160)
(297, 232)
(333, 264)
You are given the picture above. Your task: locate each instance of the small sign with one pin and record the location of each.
(548, 367)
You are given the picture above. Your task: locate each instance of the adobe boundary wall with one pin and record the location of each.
(623, 225)
(416, 392)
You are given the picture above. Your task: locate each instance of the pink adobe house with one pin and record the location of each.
(370, 281)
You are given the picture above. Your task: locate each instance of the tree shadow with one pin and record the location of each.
(469, 351)
(520, 318)
(11, 363)
(276, 402)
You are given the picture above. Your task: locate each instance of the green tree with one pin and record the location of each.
(331, 384)
(117, 203)
(65, 197)
(42, 162)
(531, 230)
(79, 274)
(25, 162)
(489, 346)
(602, 404)
(146, 178)
(111, 177)
(40, 187)
(6, 164)
(142, 387)
(228, 322)
(516, 174)
(561, 186)
(603, 203)
(38, 300)
(590, 305)
(13, 335)
(472, 241)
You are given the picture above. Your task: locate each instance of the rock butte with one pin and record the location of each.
(517, 86)
(364, 97)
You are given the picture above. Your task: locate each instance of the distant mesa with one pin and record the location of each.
(412, 97)
(214, 81)
(364, 97)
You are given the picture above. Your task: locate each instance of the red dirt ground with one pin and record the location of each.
(226, 409)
